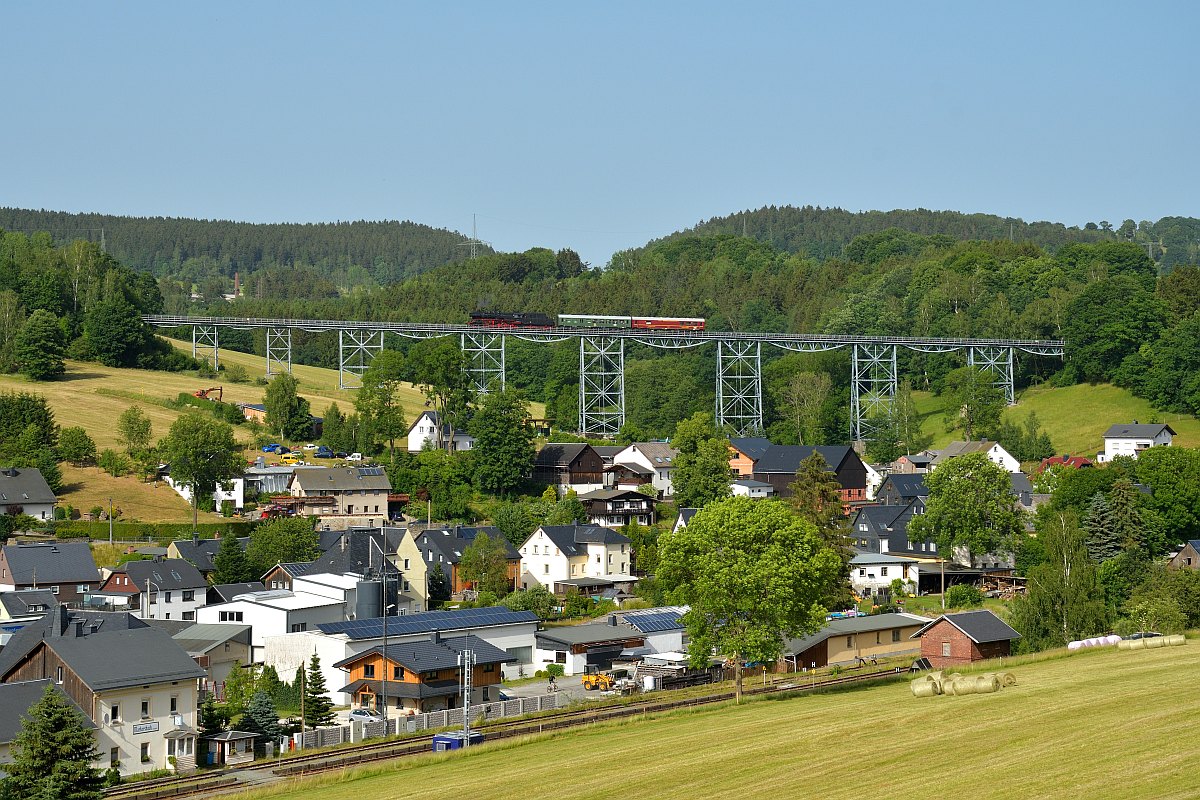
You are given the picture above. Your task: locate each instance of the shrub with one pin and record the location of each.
(236, 373)
(963, 595)
(114, 463)
(557, 670)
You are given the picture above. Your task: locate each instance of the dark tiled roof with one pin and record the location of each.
(25, 485)
(228, 591)
(429, 655)
(317, 480)
(907, 486)
(16, 699)
(751, 446)
(51, 562)
(428, 621)
(786, 458)
(555, 454)
(449, 543)
(981, 626)
(18, 603)
(1135, 431)
(569, 538)
(169, 574)
(202, 552)
(686, 514)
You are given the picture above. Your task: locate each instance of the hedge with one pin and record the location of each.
(156, 531)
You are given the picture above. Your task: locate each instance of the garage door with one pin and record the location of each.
(602, 657)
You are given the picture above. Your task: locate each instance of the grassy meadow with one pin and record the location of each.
(1099, 724)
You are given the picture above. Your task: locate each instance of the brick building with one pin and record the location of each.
(966, 637)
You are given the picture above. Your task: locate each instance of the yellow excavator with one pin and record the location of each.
(593, 679)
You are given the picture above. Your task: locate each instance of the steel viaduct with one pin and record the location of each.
(602, 360)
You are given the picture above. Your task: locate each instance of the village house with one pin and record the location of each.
(163, 588)
(67, 569)
(994, 452)
(744, 453)
(257, 412)
(569, 466)
(1065, 460)
(1131, 439)
(853, 640)
(27, 605)
(593, 644)
(216, 648)
(135, 684)
(340, 497)
(779, 464)
(556, 553)
(423, 435)
(871, 573)
(616, 507)
(281, 576)
(656, 457)
(911, 464)
(420, 676)
(445, 547)
(1188, 556)
(25, 491)
(747, 487)
(273, 612)
(964, 638)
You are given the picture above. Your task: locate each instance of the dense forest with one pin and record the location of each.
(1126, 318)
(346, 254)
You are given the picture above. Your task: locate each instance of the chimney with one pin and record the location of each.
(612, 620)
(436, 637)
(195, 537)
(61, 619)
(78, 628)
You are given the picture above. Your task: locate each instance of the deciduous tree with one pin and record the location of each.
(974, 403)
(816, 498)
(438, 367)
(504, 436)
(39, 347)
(702, 472)
(134, 430)
(281, 540)
(752, 573)
(202, 454)
(377, 397)
(75, 446)
(970, 507)
(287, 412)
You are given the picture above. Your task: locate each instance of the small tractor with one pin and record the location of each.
(203, 394)
(593, 679)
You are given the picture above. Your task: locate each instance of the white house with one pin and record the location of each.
(274, 612)
(556, 553)
(1131, 439)
(169, 588)
(424, 434)
(657, 457)
(870, 572)
(663, 631)
(994, 452)
(747, 487)
(232, 491)
(575, 647)
(874, 480)
(25, 491)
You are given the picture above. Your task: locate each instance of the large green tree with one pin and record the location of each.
(484, 564)
(377, 397)
(75, 446)
(39, 347)
(702, 472)
(115, 332)
(974, 402)
(134, 430)
(752, 573)
(816, 498)
(970, 507)
(287, 412)
(1102, 541)
(202, 454)
(504, 442)
(318, 708)
(438, 368)
(52, 754)
(281, 540)
(1064, 601)
(1173, 475)
(230, 564)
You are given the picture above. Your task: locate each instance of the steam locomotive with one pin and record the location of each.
(494, 319)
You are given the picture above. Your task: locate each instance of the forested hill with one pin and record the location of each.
(825, 232)
(345, 253)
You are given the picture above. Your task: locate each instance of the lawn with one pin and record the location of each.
(1104, 724)
(133, 499)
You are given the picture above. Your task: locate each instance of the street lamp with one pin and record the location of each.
(146, 595)
(384, 606)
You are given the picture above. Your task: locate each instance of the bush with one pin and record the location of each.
(114, 463)
(556, 670)
(236, 373)
(963, 595)
(145, 531)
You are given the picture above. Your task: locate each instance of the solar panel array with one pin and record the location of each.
(654, 623)
(370, 472)
(428, 621)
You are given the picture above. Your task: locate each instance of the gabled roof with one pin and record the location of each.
(202, 637)
(459, 433)
(655, 620)
(980, 626)
(358, 550)
(660, 454)
(201, 552)
(851, 625)
(955, 449)
(607, 451)
(46, 563)
(572, 540)
(1134, 430)
(27, 601)
(449, 543)
(294, 569)
(166, 575)
(752, 447)
(228, 591)
(24, 485)
(558, 454)
(906, 486)
(864, 559)
(429, 621)
(435, 654)
(917, 459)
(315, 480)
(614, 494)
(751, 484)
(786, 458)
(685, 515)
(1067, 460)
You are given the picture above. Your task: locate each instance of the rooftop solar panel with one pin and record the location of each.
(429, 621)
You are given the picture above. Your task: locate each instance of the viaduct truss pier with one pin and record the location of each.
(873, 380)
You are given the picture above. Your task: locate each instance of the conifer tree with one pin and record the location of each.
(1126, 515)
(53, 754)
(1102, 541)
(318, 708)
(230, 564)
(261, 717)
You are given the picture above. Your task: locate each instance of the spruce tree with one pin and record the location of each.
(1126, 516)
(261, 717)
(439, 587)
(230, 564)
(1102, 541)
(53, 754)
(211, 719)
(318, 708)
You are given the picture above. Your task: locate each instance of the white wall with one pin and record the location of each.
(288, 651)
(120, 734)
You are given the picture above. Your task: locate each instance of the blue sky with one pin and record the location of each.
(598, 126)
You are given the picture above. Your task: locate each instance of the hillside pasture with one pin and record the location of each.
(1099, 724)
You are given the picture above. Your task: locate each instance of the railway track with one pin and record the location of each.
(315, 763)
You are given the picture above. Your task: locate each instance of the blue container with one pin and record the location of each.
(453, 741)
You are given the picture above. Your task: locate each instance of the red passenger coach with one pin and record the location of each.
(668, 323)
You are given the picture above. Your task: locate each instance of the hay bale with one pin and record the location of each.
(1124, 644)
(936, 675)
(1175, 639)
(922, 688)
(1007, 679)
(960, 686)
(1137, 644)
(1155, 642)
(986, 684)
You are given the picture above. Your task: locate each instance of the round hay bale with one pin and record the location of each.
(1155, 642)
(1113, 639)
(1124, 644)
(936, 675)
(986, 684)
(1007, 679)
(961, 686)
(1137, 644)
(1073, 646)
(1176, 639)
(925, 689)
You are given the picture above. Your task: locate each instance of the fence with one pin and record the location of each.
(413, 723)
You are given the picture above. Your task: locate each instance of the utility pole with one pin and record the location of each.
(466, 662)
(110, 522)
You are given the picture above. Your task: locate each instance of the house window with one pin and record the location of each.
(945, 649)
(115, 712)
(58, 674)
(431, 675)
(895, 635)
(883, 572)
(145, 709)
(174, 704)
(146, 752)
(489, 667)
(54, 590)
(406, 563)
(114, 757)
(877, 637)
(560, 656)
(189, 595)
(545, 569)
(83, 587)
(298, 627)
(862, 572)
(397, 673)
(849, 641)
(368, 670)
(862, 527)
(189, 616)
(231, 616)
(168, 599)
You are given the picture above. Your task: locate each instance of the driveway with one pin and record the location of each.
(570, 685)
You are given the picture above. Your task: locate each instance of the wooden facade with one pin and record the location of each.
(406, 686)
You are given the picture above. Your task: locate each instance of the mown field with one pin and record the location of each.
(1076, 417)
(1105, 724)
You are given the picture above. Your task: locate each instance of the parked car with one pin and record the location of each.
(324, 452)
(365, 715)
(310, 447)
(270, 448)
(339, 454)
(291, 459)
(1144, 635)
(355, 457)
